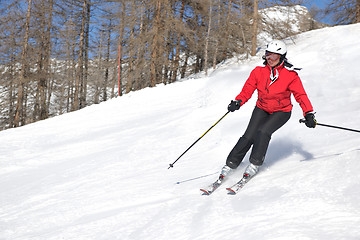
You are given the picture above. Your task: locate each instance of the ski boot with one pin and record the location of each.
(225, 171)
(251, 170)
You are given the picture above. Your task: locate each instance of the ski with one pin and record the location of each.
(250, 172)
(212, 187)
(234, 189)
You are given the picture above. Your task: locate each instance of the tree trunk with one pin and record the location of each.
(11, 83)
(80, 67)
(227, 32)
(177, 53)
(254, 28)
(20, 111)
(207, 40)
(217, 38)
(155, 47)
(100, 67)
(86, 55)
(107, 61)
(44, 113)
(358, 11)
(121, 40)
(44, 86)
(130, 84)
(184, 67)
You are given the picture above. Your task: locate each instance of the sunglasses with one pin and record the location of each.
(272, 56)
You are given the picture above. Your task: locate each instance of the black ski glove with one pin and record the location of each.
(310, 120)
(234, 105)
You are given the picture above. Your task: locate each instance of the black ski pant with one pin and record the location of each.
(258, 134)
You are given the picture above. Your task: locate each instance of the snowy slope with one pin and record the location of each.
(101, 173)
(290, 19)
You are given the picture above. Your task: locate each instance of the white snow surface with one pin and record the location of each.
(102, 172)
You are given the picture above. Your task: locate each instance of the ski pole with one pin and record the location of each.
(172, 164)
(195, 178)
(325, 125)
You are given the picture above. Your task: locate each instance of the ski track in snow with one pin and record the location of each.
(101, 173)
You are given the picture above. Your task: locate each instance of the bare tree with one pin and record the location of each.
(254, 28)
(120, 45)
(107, 61)
(156, 44)
(179, 34)
(207, 39)
(45, 16)
(344, 11)
(77, 104)
(20, 111)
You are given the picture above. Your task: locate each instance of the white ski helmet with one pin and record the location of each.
(277, 46)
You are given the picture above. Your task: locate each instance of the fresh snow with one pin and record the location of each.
(102, 172)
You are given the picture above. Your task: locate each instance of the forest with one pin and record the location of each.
(59, 56)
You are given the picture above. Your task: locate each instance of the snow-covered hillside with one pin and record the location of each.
(282, 21)
(102, 172)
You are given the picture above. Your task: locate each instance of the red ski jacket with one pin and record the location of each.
(274, 96)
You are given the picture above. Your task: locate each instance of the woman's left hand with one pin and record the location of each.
(310, 120)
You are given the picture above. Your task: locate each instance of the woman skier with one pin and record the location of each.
(274, 83)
